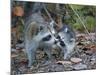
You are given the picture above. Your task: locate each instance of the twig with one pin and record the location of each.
(81, 22)
(49, 14)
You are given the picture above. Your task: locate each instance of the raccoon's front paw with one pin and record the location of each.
(29, 65)
(32, 64)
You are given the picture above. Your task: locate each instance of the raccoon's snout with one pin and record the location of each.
(41, 28)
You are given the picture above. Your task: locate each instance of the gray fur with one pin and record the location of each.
(34, 41)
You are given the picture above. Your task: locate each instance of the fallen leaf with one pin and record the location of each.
(89, 52)
(63, 62)
(13, 55)
(18, 11)
(90, 47)
(93, 48)
(23, 61)
(80, 66)
(76, 60)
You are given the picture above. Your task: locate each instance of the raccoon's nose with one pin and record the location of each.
(55, 42)
(41, 28)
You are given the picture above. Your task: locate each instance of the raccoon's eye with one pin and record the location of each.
(47, 38)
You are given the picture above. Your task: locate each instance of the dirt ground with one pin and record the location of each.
(83, 58)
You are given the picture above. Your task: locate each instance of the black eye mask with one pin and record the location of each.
(62, 43)
(58, 37)
(60, 40)
(47, 38)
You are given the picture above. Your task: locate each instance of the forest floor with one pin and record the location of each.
(83, 58)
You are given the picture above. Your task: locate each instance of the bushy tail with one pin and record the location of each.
(32, 25)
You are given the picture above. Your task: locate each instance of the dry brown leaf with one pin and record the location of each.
(90, 47)
(23, 62)
(18, 11)
(13, 55)
(76, 60)
(81, 37)
(63, 62)
(93, 48)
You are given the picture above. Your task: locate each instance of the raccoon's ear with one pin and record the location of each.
(66, 29)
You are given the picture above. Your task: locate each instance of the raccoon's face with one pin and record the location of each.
(66, 38)
(67, 35)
